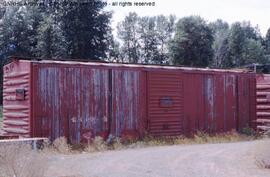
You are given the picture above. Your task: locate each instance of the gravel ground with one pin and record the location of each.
(208, 160)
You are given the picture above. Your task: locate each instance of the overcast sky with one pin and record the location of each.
(255, 11)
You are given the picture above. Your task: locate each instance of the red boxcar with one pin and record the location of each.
(80, 100)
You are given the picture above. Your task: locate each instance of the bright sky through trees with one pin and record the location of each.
(255, 11)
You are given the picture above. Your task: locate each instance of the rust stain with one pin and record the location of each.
(125, 101)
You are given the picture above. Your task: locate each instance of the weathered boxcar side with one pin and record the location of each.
(81, 100)
(218, 102)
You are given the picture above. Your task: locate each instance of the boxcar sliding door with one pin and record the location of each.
(165, 103)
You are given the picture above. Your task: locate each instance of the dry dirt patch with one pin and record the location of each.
(204, 160)
(19, 160)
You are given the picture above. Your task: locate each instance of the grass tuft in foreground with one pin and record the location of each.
(98, 144)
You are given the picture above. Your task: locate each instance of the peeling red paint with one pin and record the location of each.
(83, 100)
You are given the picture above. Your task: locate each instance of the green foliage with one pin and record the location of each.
(267, 41)
(128, 33)
(245, 45)
(253, 52)
(18, 31)
(267, 45)
(233, 46)
(155, 34)
(220, 44)
(145, 39)
(86, 29)
(148, 38)
(51, 40)
(81, 30)
(55, 31)
(192, 43)
(236, 44)
(113, 53)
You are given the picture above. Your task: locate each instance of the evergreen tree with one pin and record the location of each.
(51, 40)
(267, 45)
(18, 31)
(86, 28)
(192, 43)
(245, 45)
(236, 44)
(253, 52)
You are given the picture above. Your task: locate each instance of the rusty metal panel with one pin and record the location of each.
(252, 101)
(126, 91)
(94, 100)
(193, 103)
(70, 102)
(200, 95)
(230, 99)
(246, 101)
(210, 102)
(165, 103)
(220, 103)
(16, 99)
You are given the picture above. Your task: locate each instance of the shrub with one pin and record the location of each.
(98, 144)
(117, 144)
(61, 145)
(247, 131)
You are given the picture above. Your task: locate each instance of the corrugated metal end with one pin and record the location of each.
(16, 99)
(263, 101)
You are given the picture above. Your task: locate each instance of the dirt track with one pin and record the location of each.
(208, 160)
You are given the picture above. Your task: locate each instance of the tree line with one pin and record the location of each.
(83, 31)
(55, 30)
(190, 41)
